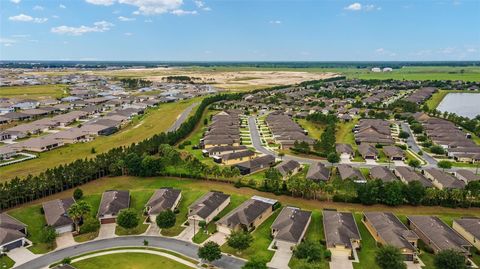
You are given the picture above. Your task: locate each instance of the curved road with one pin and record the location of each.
(182, 118)
(182, 247)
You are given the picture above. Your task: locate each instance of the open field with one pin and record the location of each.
(128, 261)
(153, 122)
(34, 92)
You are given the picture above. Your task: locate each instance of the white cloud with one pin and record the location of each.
(181, 12)
(62, 6)
(354, 7)
(26, 18)
(152, 7)
(15, 1)
(384, 52)
(37, 7)
(7, 42)
(128, 34)
(275, 22)
(99, 26)
(101, 2)
(122, 18)
(201, 5)
(55, 16)
(148, 20)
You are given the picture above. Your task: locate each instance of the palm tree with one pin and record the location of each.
(77, 211)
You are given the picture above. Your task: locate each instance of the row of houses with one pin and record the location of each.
(285, 131)
(421, 95)
(373, 131)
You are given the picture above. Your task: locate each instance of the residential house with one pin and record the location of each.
(387, 229)
(468, 228)
(248, 216)
(217, 151)
(208, 206)
(368, 151)
(345, 150)
(162, 200)
(466, 176)
(341, 231)
(40, 144)
(375, 131)
(56, 214)
(437, 234)
(256, 164)
(12, 233)
(234, 157)
(285, 131)
(288, 168)
(348, 172)
(290, 226)
(408, 174)
(382, 173)
(318, 172)
(394, 153)
(113, 201)
(443, 180)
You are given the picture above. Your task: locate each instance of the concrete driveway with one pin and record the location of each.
(153, 229)
(65, 240)
(107, 231)
(21, 255)
(188, 233)
(340, 260)
(282, 256)
(218, 237)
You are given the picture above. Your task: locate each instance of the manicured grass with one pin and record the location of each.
(138, 199)
(34, 92)
(315, 130)
(235, 201)
(344, 133)
(366, 255)
(261, 241)
(6, 262)
(129, 261)
(85, 237)
(188, 197)
(155, 121)
(35, 221)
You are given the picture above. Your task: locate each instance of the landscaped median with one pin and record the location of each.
(131, 257)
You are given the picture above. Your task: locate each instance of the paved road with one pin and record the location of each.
(182, 118)
(182, 247)
(412, 144)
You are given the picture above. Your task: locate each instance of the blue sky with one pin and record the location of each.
(245, 30)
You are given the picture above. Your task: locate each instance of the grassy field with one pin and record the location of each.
(155, 121)
(315, 130)
(344, 133)
(128, 261)
(34, 92)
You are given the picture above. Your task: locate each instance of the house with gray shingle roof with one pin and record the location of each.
(394, 153)
(408, 174)
(443, 180)
(288, 168)
(341, 231)
(208, 206)
(368, 151)
(162, 200)
(112, 203)
(469, 228)
(290, 225)
(382, 173)
(318, 172)
(12, 233)
(466, 175)
(348, 172)
(56, 214)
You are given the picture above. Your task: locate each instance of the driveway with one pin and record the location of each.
(188, 233)
(65, 240)
(282, 256)
(153, 229)
(340, 260)
(172, 244)
(21, 255)
(107, 231)
(218, 237)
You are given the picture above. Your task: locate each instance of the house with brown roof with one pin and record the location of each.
(208, 206)
(290, 226)
(443, 180)
(12, 233)
(382, 173)
(248, 216)
(256, 164)
(341, 231)
(345, 150)
(468, 228)
(113, 201)
(348, 172)
(466, 175)
(234, 157)
(56, 214)
(438, 235)
(407, 174)
(394, 153)
(368, 151)
(162, 199)
(288, 168)
(387, 229)
(375, 131)
(318, 172)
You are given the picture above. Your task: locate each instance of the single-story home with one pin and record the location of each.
(466, 175)
(318, 172)
(443, 180)
(256, 164)
(208, 206)
(234, 157)
(161, 200)
(407, 174)
(348, 172)
(469, 228)
(56, 214)
(288, 168)
(12, 233)
(394, 153)
(345, 150)
(113, 201)
(341, 231)
(382, 173)
(248, 216)
(290, 226)
(368, 151)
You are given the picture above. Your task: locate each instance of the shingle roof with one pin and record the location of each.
(340, 228)
(162, 200)
(56, 212)
(383, 173)
(286, 167)
(10, 229)
(291, 223)
(247, 212)
(113, 201)
(471, 225)
(318, 172)
(206, 204)
(391, 229)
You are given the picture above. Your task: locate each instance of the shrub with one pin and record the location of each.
(309, 250)
(90, 225)
(437, 149)
(48, 235)
(128, 219)
(77, 194)
(166, 219)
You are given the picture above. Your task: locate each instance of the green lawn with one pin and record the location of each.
(366, 255)
(138, 199)
(235, 201)
(315, 130)
(188, 197)
(129, 261)
(154, 121)
(6, 262)
(34, 92)
(261, 241)
(344, 133)
(35, 221)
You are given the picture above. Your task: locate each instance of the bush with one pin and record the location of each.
(90, 225)
(403, 135)
(48, 235)
(437, 150)
(181, 146)
(67, 260)
(128, 219)
(309, 250)
(77, 194)
(166, 219)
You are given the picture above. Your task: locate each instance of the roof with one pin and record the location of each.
(56, 212)
(237, 155)
(393, 151)
(447, 180)
(162, 199)
(113, 201)
(344, 148)
(206, 204)
(291, 224)
(391, 229)
(366, 149)
(348, 172)
(10, 229)
(318, 172)
(439, 233)
(467, 175)
(340, 228)
(247, 212)
(287, 166)
(258, 163)
(383, 173)
(409, 174)
(471, 225)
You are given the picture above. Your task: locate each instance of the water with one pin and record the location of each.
(462, 104)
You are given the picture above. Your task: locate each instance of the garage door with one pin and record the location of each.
(13, 245)
(64, 229)
(107, 221)
(409, 257)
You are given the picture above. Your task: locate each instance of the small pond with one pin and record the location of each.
(462, 104)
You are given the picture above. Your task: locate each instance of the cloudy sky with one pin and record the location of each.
(246, 30)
